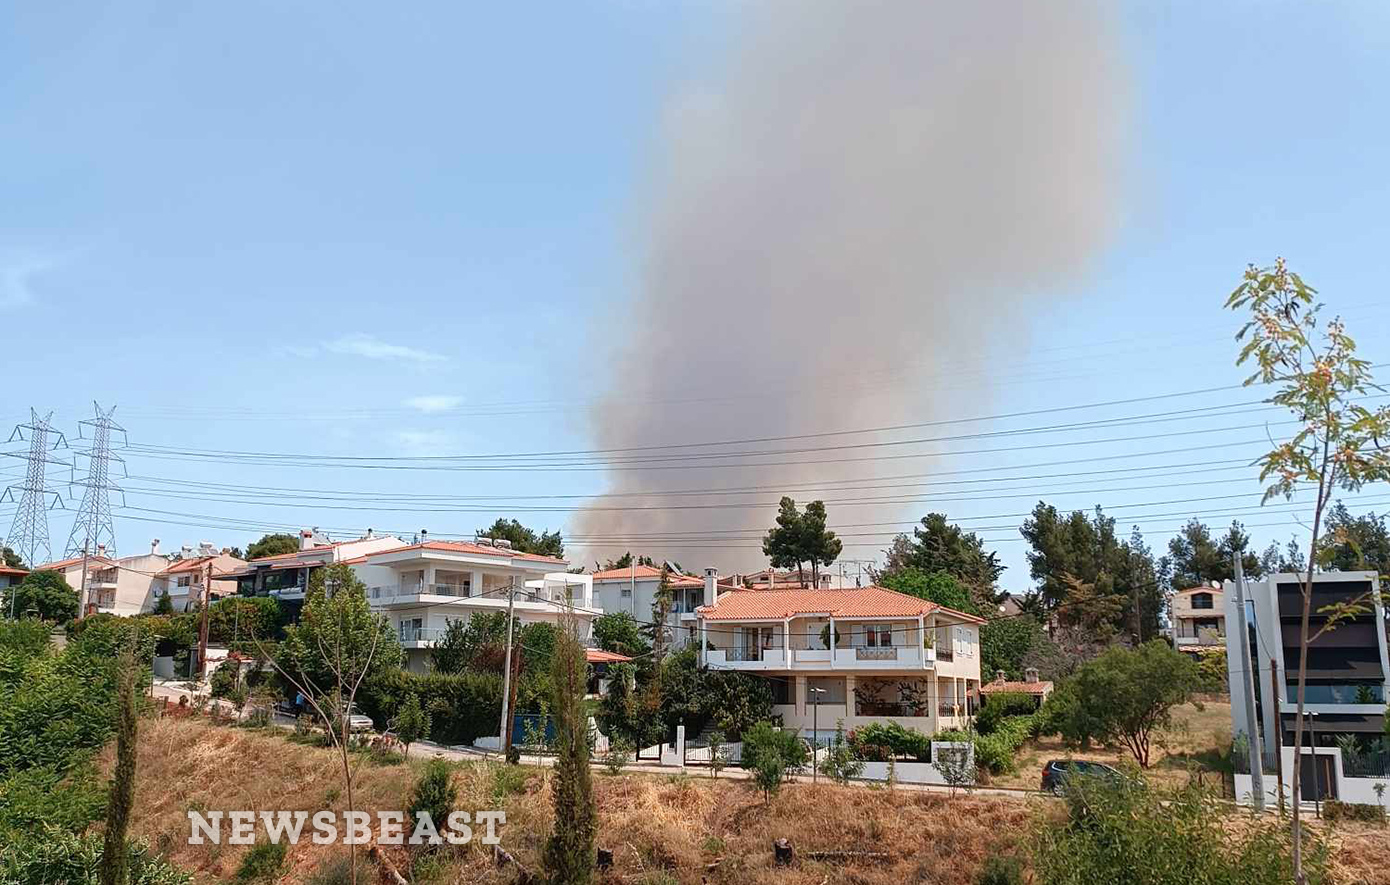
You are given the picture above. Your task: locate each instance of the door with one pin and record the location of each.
(1318, 781)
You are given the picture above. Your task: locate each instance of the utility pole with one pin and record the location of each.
(1278, 730)
(502, 732)
(1247, 688)
(82, 589)
(203, 622)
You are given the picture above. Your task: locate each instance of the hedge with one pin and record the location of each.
(876, 741)
(995, 751)
(462, 706)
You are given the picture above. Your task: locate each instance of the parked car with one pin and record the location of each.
(1057, 771)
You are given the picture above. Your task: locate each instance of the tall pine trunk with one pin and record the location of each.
(569, 853)
(115, 857)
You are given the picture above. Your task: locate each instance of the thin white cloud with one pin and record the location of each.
(16, 280)
(424, 442)
(374, 348)
(434, 402)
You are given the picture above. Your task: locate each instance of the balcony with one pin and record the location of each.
(747, 658)
(851, 658)
(420, 637)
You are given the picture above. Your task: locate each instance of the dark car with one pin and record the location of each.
(1056, 772)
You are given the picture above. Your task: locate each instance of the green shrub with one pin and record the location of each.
(1334, 810)
(507, 781)
(877, 741)
(263, 862)
(999, 870)
(225, 679)
(1121, 828)
(839, 763)
(57, 857)
(995, 752)
(462, 706)
(1003, 706)
(762, 741)
(25, 638)
(435, 793)
(37, 797)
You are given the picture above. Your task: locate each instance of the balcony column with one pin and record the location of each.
(475, 584)
(787, 643)
(850, 707)
(830, 641)
(922, 641)
(799, 699)
(429, 579)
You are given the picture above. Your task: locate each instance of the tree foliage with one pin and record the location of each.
(800, 539)
(1074, 551)
(9, 558)
(238, 618)
(619, 632)
(1355, 543)
(1123, 697)
(1196, 558)
(412, 722)
(115, 859)
(472, 643)
(45, 592)
(525, 539)
(939, 587)
(939, 546)
(272, 545)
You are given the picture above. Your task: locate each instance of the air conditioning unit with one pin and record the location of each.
(485, 542)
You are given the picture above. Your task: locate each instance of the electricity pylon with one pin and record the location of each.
(29, 532)
(93, 528)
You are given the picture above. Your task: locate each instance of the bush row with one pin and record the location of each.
(462, 706)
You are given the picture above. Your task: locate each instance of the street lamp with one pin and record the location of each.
(815, 721)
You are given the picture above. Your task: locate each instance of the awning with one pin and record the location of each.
(599, 656)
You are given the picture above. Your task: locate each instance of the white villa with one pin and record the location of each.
(633, 590)
(423, 587)
(858, 655)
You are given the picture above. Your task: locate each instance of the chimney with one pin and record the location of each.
(369, 535)
(1030, 674)
(1000, 676)
(711, 586)
(306, 539)
(154, 547)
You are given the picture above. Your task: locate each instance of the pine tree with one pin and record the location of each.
(569, 853)
(115, 857)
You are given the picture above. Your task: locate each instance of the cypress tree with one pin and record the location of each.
(115, 857)
(569, 853)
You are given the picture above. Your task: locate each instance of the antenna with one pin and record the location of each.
(29, 533)
(93, 527)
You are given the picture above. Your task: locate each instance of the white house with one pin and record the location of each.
(286, 575)
(633, 590)
(855, 655)
(423, 587)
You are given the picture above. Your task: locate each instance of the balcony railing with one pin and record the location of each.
(866, 653)
(744, 654)
(421, 634)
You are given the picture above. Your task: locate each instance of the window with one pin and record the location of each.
(183, 580)
(1203, 601)
(825, 690)
(878, 636)
(627, 591)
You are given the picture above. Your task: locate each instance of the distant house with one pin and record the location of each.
(10, 576)
(286, 575)
(1199, 619)
(422, 588)
(182, 581)
(633, 590)
(857, 655)
(133, 584)
(771, 579)
(1038, 689)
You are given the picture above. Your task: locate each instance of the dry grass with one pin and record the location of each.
(1199, 740)
(664, 829)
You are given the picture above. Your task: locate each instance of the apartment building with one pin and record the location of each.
(1198, 616)
(854, 655)
(422, 588)
(183, 579)
(286, 575)
(1345, 693)
(109, 588)
(633, 590)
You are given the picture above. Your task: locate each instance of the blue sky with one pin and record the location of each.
(354, 232)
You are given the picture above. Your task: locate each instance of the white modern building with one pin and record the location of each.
(855, 656)
(286, 575)
(1345, 682)
(422, 588)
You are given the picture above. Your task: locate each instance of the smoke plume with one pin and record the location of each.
(869, 203)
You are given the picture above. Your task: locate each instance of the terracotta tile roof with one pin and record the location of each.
(322, 548)
(470, 548)
(599, 656)
(858, 602)
(646, 573)
(998, 687)
(1200, 588)
(11, 570)
(62, 564)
